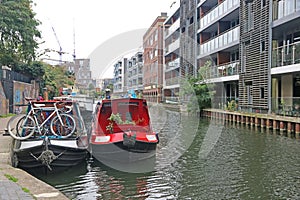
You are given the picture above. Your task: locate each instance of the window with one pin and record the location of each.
(263, 3)
(183, 30)
(262, 93)
(262, 46)
(192, 20)
(244, 52)
(248, 16)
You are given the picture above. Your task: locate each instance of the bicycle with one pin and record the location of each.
(62, 125)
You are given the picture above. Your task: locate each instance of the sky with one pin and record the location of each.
(104, 30)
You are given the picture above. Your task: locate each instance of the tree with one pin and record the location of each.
(197, 90)
(35, 69)
(55, 78)
(18, 33)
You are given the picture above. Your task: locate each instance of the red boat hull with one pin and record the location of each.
(116, 141)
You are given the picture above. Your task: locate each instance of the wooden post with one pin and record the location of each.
(262, 122)
(238, 119)
(256, 120)
(275, 125)
(289, 127)
(297, 130)
(282, 127)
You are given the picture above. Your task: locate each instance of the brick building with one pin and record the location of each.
(153, 60)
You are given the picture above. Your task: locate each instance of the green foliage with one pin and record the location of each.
(35, 69)
(116, 118)
(55, 78)
(231, 106)
(25, 190)
(7, 115)
(19, 33)
(11, 178)
(198, 92)
(111, 87)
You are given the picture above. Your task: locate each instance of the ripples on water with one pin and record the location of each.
(243, 164)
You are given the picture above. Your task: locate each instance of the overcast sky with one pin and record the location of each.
(97, 23)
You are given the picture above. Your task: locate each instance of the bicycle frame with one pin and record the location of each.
(32, 113)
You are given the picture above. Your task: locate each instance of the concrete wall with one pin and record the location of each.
(3, 102)
(20, 91)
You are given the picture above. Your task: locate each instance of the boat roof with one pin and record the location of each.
(124, 100)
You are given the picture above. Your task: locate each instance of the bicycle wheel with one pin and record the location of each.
(21, 127)
(64, 129)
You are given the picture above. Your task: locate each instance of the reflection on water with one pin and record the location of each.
(243, 164)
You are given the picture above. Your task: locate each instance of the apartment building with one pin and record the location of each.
(83, 73)
(218, 38)
(120, 77)
(283, 47)
(153, 60)
(135, 73)
(171, 83)
(188, 40)
(253, 49)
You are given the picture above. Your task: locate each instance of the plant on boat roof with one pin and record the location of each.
(118, 120)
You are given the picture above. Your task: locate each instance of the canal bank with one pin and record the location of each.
(283, 124)
(16, 183)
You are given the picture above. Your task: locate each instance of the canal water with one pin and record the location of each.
(196, 159)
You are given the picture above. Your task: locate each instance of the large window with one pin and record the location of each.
(248, 16)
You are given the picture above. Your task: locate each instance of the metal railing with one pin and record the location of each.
(287, 106)
(284, 8)
(286, 55)
(217, 12)
(227, 69)
(171, 100)
(225, 103)
(220, 41)
(11, 75)
(172, 81)
(173, 64)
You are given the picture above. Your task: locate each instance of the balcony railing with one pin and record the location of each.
(217, 12)
(172, 100)
(172, 81)
(287, 106)
(173, 46)
(172, 64)
(226, 103)
(172, 28)
(284, 8)
(286, 55)
(218, 42)
(227, 69)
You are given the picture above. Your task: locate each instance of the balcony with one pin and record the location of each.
(218, 12)
(172, 81)
(285, 8)
(173, 46)
(286, 106)
(173, 64)
(286, 55)
(227, 69)
(173, 28)
(222, 41)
